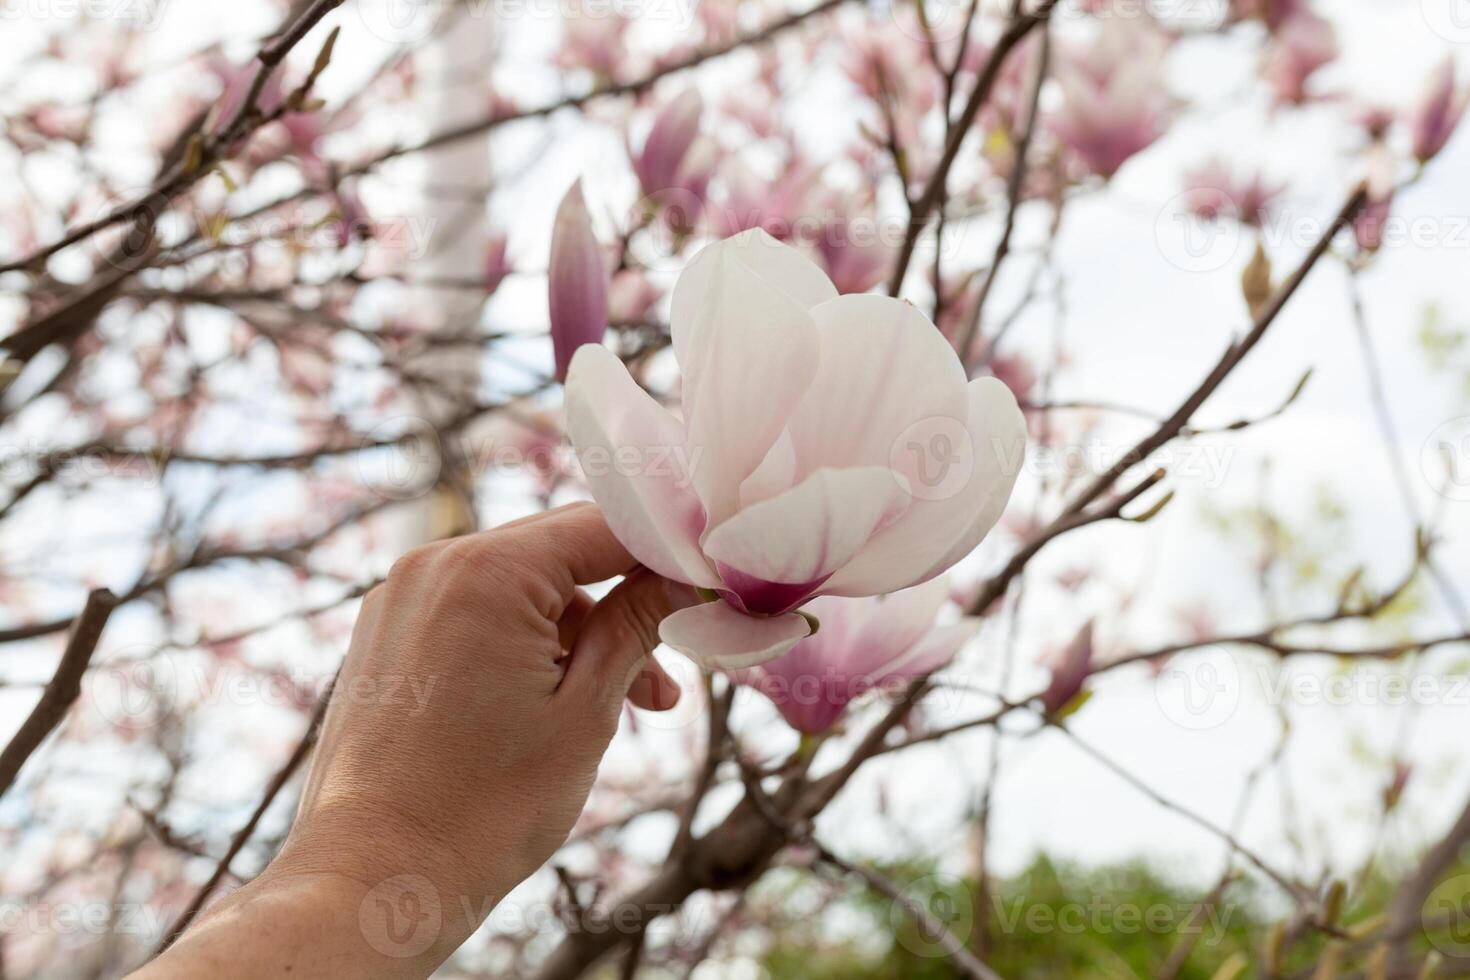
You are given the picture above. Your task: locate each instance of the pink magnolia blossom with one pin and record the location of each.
(594, 43)
(576, 281)
(1433, 120)
(801, 465)
(863, 645)
(1274, 12)
(854, 254)
(1213, 191)
(1304, 44)
(1114, 98)
(749, 201)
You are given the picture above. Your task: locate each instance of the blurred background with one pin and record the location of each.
(274, 302)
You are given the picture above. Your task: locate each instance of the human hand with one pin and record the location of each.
(479, 693)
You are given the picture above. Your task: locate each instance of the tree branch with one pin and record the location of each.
(65, 686)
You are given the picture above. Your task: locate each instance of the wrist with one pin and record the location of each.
(324, 923)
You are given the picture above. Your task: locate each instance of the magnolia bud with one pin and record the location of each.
(576, 281)
(668, 142)
(1433, 120)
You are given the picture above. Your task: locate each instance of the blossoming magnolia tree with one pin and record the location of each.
(830, 308)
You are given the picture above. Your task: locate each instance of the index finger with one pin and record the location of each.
(575, 537)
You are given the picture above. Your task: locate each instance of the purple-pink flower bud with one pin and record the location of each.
(576, 280)
(1433, 120)
(673, 133)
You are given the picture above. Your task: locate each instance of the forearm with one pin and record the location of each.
(285, 924)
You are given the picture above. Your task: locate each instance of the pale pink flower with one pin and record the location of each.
(854, 254)
(631, 297)
(1114, 100)
(1432, 121)
(801, 465)
(595, 43)
(863, 645)
(1304, 44)
(576, 281)
(1214, 191)
(750, 201)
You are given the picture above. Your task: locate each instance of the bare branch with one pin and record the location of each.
(65, 686)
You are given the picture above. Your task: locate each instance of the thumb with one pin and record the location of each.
(612, 647)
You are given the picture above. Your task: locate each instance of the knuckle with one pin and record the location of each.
(411, 564)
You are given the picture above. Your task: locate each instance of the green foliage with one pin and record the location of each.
(1053, 920)
(1062, 921)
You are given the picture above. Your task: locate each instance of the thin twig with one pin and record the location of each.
(922, 208)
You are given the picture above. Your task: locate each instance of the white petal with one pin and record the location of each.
(811, 530)
(775, 474)
(948, 519)
(632, 453)
(714, 635)
(779, 266)
(754, 353)
(884, 368)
